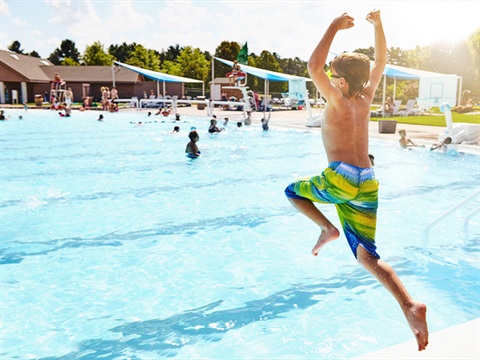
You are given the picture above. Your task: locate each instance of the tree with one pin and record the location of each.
(96, 55)
(450, 58)
(193, 63)
(293, 66)
(69, 62)
(15, 47)
(144, 58)
(67, 49)
(473, 44)
(370, 52)
(122, 52)
(267, 61)
(253, 81)
(226, 50)
(171, 54)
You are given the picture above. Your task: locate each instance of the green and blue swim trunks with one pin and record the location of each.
(354, 191)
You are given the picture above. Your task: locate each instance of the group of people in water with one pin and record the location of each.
(192, 150)
(407, 143)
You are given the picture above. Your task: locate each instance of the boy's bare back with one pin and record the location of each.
(347, 114)
(345, 131)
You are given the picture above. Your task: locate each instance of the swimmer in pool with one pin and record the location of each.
(213, 127)
(404, 141)
(265, 122)
(192, 148)
(443, 145)
(349, 181)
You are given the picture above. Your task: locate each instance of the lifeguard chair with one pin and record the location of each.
(59, 91)
(239, 78)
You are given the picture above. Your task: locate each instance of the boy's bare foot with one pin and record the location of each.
(417, 319)
(325, 237)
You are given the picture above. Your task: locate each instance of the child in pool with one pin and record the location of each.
(192, 149)
(404, 141)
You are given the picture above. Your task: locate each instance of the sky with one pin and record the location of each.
(289, 28)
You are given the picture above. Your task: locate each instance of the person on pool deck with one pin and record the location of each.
(349, 181)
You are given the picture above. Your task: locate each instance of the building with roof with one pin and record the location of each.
(23, 77)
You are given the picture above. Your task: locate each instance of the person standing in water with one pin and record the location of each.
(349, 181)
(192, 149)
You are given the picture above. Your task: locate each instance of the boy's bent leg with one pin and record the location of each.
(329, 232)
(415, 312)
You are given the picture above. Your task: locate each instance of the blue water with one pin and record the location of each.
(114, 245)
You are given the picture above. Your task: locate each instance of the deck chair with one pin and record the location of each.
(378, 112)
(410, 109)
(396, 108)
(425, 104)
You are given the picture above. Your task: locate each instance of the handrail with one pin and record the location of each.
(467, 220)
(233, 103)
(447, 213)
(156, 101)
(132, 100)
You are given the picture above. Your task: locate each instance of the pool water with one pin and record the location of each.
(115, 245)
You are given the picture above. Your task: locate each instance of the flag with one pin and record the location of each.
(242, 57)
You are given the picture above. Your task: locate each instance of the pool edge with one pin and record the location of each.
(456, 342)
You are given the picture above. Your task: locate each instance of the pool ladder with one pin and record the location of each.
(447, 213)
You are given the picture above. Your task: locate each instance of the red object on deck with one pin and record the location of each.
(237, 74)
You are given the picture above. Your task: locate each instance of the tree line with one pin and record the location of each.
(461, 58)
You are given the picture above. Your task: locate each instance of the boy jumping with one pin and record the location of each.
(349, 181)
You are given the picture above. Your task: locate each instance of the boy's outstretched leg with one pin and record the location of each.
(329, 232)
(415, 312)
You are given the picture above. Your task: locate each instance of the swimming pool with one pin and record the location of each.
(117, 246)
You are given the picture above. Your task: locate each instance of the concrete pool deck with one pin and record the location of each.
(456, 343)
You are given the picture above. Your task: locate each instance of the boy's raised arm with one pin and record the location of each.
(380, 52)
(319, 55)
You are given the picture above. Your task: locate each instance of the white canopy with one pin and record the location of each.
(262, 73)
(159, 76)
(436, 87)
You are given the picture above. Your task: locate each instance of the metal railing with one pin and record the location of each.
(449, 212)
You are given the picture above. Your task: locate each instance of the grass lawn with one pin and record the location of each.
(433, 120)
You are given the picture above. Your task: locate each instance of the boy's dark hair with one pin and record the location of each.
(355, 69)
(193, 134)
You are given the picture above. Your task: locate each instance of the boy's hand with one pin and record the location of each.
(344, 21)
(374, 17)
